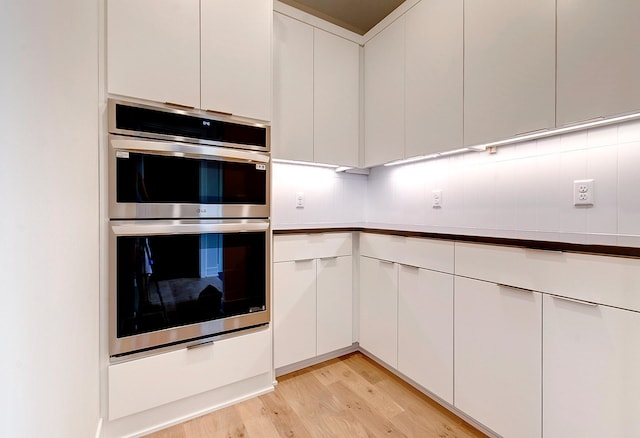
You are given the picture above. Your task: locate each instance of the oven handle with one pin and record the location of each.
(186, 150)
(154, 228)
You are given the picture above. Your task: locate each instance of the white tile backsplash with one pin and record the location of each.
(525, 189)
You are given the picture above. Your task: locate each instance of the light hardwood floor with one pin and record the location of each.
(351, 396)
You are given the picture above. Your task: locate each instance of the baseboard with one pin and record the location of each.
(315, 360)
(457, 412)
(180, 411)
(199, 413)
(99, 429)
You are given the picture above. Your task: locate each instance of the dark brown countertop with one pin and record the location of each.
(611, 250)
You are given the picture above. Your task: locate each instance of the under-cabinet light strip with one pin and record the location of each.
(304, 163)
(518, 139)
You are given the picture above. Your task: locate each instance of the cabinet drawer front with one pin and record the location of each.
(436, 255)
(311, 246)
(156, 380)
(600, 279)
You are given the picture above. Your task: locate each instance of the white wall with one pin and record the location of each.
(523, 191)
(330, 197)
(49, 219)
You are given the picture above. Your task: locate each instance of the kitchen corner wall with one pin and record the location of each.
(329, 197)
(524, 191)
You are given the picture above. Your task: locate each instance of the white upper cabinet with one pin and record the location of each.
(316, 94)
(433, 75)
(153, 50)
(209, 54)
(384, 95)
(509, 68)
(236, 57)
(292, 131)
(336, 99)
(598, 59)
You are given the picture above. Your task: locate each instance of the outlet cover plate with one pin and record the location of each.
(583, 192)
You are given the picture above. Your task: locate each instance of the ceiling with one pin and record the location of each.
(358, 16)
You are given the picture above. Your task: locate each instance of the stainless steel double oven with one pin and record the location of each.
(189, 226)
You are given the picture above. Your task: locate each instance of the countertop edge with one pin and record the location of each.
(609, 250)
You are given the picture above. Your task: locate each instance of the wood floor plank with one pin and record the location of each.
(321, 412)
(351, 396)
(361, 386)
(226, 423)
(257, 419)
(285, 420)
(364, 412)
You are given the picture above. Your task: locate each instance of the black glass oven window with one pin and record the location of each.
(175, 280)
(143, 178)
(159, 122)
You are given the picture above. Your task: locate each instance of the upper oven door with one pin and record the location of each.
(159, 179)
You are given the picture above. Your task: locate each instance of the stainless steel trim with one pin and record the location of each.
(175, 149)
(177, 337)
(113, 129)
(186, 344)
(185, 226)
(200, 345)
(573, 300)
(516, 288)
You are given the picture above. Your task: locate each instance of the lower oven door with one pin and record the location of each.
(173, 281)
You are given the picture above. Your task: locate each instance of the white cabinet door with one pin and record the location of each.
(153, 50)
(425, 329)
(294, 311)
(336, 99)
(334, 304)
(509, 68)
(598, 59)
(498, 347)
(433, 89)
(379, 309)
(384, 95)
(292, 130)
(591, 360)
(236, 57)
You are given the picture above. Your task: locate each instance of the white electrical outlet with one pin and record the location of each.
(583, 192)
(437, 199)
(299, 200)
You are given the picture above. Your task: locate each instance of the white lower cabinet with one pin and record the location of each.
(425, 329)
(294, 311)
(312, 296)
(379, 309)
(591, 363)
(498, 346)
(334, 304)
